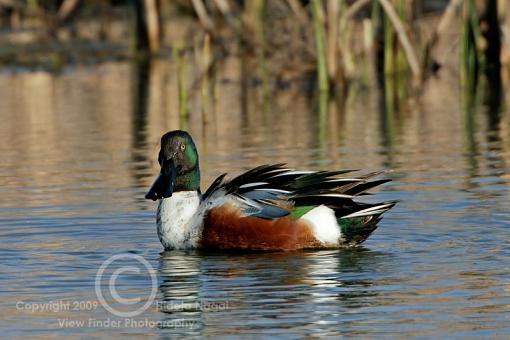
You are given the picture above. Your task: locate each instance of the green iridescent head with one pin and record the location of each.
(180, 170)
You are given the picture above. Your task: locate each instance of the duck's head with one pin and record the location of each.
(178, 158)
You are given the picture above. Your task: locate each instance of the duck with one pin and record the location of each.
(268, 208)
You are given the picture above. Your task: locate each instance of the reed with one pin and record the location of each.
(333, 8)
(394, 23)
(342, 30)
(346, 64)
(146, 31)
(205, 83)
(318, 24)
(182, 85)
(471, 55)
(388, 46)
(260, 40)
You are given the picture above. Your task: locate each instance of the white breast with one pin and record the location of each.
(177, 227)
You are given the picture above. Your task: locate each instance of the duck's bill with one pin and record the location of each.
(164, 184)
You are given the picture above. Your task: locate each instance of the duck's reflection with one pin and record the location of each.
(180, 290)
(233, 292)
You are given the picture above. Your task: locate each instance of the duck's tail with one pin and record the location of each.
(348, 230)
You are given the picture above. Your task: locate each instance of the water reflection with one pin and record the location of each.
(284, 290)
(141, 73)
(79, 150)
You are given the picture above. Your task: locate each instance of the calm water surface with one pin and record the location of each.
(78, 152)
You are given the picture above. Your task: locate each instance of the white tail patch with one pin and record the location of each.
(324, 223)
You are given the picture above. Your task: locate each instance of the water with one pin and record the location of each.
(78, 151)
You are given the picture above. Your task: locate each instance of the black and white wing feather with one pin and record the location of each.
(272, 191)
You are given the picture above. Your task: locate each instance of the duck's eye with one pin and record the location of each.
(183, 147)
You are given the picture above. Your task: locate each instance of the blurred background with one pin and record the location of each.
(170, 64)
(418, 88)
(375, 77)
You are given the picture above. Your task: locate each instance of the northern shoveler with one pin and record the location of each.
(269, 207)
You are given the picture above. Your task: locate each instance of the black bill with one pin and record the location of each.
(164, 184)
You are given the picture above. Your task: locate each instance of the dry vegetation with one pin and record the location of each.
(341, 41)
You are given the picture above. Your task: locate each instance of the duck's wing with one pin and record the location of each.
(271, 191)
(254, 193)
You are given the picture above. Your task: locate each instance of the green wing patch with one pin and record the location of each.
(297, 212)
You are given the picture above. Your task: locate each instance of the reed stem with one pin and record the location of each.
(182, 88)
(318, 24)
